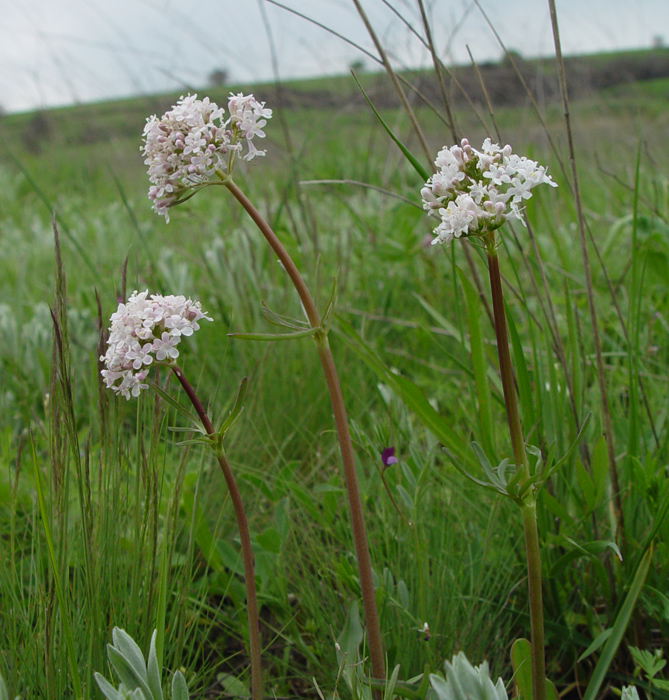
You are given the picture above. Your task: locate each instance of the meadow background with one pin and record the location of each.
(105, 521)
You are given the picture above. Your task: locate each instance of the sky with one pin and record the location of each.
(58, 52)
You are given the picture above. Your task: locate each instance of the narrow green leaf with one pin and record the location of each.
(596, 643)
(549, 471)
(330, 308)
(424, 683)
(480, 482)
(554, 507)
(522, 373)
(479, 364)
(619, 627)
(599, 469)
(486, 466)
(389, 693)
(282, 321)
(587, 487)
(414, 162)
(197, 424)
(270, 337)
(236, 409)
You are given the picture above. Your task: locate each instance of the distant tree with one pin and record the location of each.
(357, 66)
(218, 77)
(37, 132)
(511, 57)
(658, 41)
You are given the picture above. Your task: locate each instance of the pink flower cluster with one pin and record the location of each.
(193, 142)
(141, 329)
(475, 192)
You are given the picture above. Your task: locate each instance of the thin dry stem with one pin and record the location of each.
(617, 511)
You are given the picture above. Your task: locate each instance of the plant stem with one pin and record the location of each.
(343, 435)
(243, 527)
(528, 507)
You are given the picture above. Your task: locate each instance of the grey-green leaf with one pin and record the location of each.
(127, 673)
(127, 646)
(153, 670)
(105, 686)
(179, 687)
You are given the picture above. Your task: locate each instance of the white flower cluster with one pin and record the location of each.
(141, 329)
(475, 192)
(192, 141)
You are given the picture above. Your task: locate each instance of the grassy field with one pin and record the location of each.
(105, 521)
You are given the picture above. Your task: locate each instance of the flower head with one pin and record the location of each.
(141, 329)
(193, 143)
(475, 192)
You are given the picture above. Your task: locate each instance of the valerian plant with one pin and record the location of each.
(144, 332)
(474, 193)
(194, 146)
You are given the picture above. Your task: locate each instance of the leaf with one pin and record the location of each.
(127, 673)
(414, 162)
(521, 660)
(389, 693)
(236, 409)
(153, 670)
(554, 506)
(105, 686)
(128, 648)
(599, 469)
(269, 540)
(596, 643)
(479, 364)
(330, 307)
(403, 594)
(197, 424)
(522, 373)
(282, 321)
(350, 637)
(179, 687)
(619, 627)
(587, 487)
(550, 470)
(270, 337)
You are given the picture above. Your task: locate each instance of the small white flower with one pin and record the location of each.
(192, 144)
(475, 192)
(144, 328)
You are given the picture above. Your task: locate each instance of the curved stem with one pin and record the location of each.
(245, 540)
(343, 435)
(528, 507)
(355, 508)
(281, 253)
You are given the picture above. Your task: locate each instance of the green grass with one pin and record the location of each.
(120, 495)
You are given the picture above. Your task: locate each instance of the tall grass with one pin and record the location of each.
(120, 498)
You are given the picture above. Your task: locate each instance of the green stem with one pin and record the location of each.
(528, 507)
(343, 435)
(245, 539)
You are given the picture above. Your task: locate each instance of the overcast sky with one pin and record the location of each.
(55, 52)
